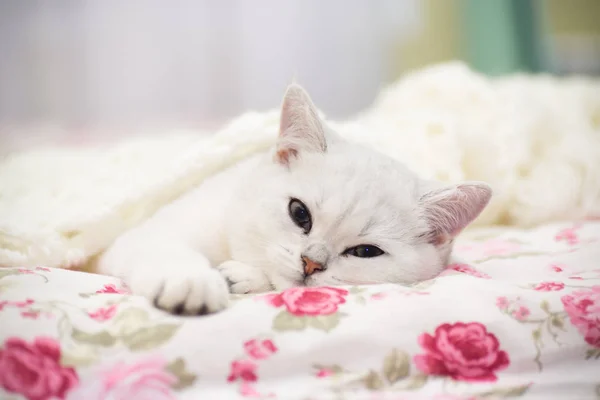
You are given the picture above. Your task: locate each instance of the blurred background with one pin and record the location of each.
(81, 70)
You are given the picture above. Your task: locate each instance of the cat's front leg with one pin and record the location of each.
(243, 278)
(166, 271)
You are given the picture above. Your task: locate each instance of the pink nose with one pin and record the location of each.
(310, 266)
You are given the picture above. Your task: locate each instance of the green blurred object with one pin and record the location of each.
(504, 36)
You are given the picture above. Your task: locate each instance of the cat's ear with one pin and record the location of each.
(300, 127)
(450, 209)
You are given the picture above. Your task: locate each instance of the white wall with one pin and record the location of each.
(185, 62)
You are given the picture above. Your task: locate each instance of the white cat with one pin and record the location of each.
(315, 211)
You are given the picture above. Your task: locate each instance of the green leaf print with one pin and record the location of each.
(102, 338)
(184, 378)
(284, 321)
(356, 290)
(8, 272)
(324, 322)
(129, 320)
(557, 321)
(502, 393)
(6, 285)
(592, 353)
(150, 337)
(417, 382)
(79, 356)
(373, 381)
(396, 366)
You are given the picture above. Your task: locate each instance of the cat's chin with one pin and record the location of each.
(281, 283)
(316, 281)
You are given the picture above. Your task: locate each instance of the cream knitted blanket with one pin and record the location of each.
(535, 139)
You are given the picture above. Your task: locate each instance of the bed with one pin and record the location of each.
(517, 315)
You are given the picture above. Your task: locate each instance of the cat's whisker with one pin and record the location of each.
(354, 282)
(283, 256)
(286, 249)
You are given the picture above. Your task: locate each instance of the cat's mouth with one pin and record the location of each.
(307, 281)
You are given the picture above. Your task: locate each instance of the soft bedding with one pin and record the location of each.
(518, 316)
(525, 135)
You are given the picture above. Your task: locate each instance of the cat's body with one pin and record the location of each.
(316, 210)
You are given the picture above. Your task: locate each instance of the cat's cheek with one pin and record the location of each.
(268, 249)
(321, 279)
(425, 262)
(283, 263)
(281, 283)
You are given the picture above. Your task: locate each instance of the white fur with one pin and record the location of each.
(239, 222)
(534, 139)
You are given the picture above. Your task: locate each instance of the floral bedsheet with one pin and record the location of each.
(517, 317)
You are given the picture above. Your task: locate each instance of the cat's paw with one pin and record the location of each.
(182, 288)
(243, 278)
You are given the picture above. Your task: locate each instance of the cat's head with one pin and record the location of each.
(324, 211)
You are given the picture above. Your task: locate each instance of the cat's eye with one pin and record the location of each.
(364, 251)
(300, 215)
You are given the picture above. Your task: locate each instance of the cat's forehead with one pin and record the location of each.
(359, 179)
(357, 193)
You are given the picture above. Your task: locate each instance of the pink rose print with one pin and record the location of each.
(30, 314)
(513, 308)
(310, 301)
(141, 379)
(25, 271)
(521, 313)
(379, 296)
(244, 370)
(324, 373)
(497, 247)
(462, 351)
(549, 286)
(260, 349)
(247, 390)
(104, 314)
(583, 308)
(568, 235)
(17, 304)
(110, 288)
(21, 304)
(557, 268)
(33, 370)
(467, 269)
(502, 303)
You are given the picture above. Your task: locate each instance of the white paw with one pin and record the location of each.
(182, 287)
(243, 278)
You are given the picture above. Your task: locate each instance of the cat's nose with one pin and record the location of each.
(311, 266)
